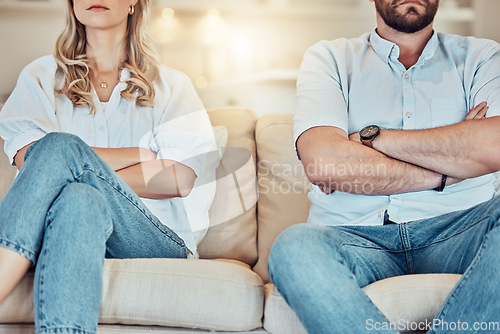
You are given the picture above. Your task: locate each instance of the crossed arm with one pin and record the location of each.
(402, 160)
(139, 168)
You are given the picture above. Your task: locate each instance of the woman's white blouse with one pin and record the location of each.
(177, 128)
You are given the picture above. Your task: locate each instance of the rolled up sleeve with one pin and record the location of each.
(320, 100)
(29, 112)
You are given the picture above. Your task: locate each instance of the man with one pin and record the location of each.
(399, 131)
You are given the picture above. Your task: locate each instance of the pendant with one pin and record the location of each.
(104, 84)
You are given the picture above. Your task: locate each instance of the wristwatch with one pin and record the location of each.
(368, 134)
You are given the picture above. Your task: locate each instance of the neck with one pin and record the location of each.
(106, 48)
(411, 45)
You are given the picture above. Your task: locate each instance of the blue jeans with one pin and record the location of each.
(320, 270)
(66, 211)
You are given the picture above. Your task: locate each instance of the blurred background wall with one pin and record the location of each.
(237, 52)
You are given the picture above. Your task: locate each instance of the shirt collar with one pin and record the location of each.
(384, 48)
(125, 74)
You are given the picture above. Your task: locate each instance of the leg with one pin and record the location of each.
(463, 242)
(12, 269)
(56, 161)
(68, 273)
(319, 272)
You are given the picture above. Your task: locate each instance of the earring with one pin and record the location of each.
(131, 10)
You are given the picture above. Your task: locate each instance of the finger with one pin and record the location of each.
(475, 110)
(482, 113)
(479, 113)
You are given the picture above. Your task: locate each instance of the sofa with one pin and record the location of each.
(261, 190)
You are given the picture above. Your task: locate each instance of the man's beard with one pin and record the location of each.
(401, 22)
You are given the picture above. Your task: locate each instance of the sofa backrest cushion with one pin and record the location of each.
(233, 226)
(283, 185)
(233, 230)
(7, 172)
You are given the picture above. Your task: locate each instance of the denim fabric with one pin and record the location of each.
(66, 211)
(320, 270)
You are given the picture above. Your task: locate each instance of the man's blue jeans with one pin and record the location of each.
(319, 270)
(66, 211)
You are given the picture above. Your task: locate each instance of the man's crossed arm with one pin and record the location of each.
(402, 160)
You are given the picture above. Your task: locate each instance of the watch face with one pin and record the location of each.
(369, 131)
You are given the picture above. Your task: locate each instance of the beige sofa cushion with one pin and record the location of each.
(233, 231)
(283, 185)
(7, 172)
(278, 316)
(402, 299)
(119, 329)
(211, 295)
(233, 225)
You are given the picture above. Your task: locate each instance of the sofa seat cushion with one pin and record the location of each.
(205, 294)
(123, 329)
(409, 299)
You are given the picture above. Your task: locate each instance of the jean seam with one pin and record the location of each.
(52, 329)
(405, 242)
(124, 194)
(460, 284)
(453, 235)
(342, 262)
(367, 247)
(40, 268)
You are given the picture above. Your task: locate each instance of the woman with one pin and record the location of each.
(109, 145)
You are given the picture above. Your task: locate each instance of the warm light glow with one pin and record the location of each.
(166, 27)
(242, 48)
(212, 26)
(167, 13)
(214, 13)
(201, 82)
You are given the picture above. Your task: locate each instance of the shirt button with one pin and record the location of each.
(407, 76)
(409, 114)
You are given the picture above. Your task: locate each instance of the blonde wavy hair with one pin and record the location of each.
(140, 59)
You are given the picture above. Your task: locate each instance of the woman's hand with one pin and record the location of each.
(19, 157)
(477, 112)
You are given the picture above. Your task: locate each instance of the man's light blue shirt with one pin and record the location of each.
(351, 83)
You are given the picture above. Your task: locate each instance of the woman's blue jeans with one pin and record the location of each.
(66, 211)
(319, 270)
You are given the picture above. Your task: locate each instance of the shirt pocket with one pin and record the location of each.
(447, 110)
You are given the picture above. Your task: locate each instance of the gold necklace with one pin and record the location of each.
(104, 84)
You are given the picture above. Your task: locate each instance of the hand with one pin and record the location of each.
(355, 137)
(146, 155)
(477, 112)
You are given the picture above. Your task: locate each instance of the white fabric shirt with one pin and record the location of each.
(352, 83)
(177, 128)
